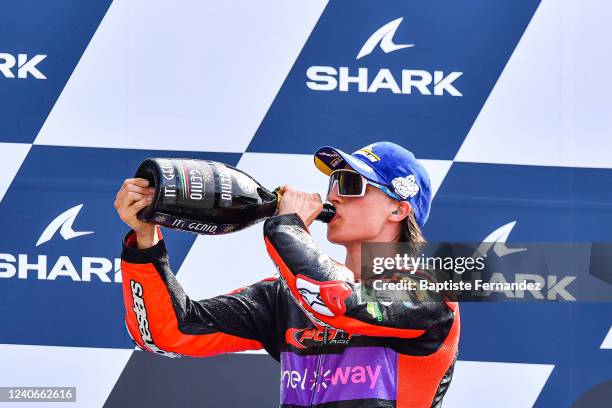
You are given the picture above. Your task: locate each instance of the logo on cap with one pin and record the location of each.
(405, 186)
(362, 166)
(368, 153)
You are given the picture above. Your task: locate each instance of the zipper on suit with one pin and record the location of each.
(320, 358)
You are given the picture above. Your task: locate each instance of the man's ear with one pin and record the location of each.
(401, 211)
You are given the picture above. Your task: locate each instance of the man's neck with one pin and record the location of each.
(353, 259)
(353, 250)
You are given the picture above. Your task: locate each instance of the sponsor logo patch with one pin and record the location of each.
(361, 372)
(304, 338)
(140, 310)
(311, 294)
(368, 153)
(374, 310)
(405, 186)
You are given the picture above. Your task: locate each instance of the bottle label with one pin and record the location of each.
(189, 183)
(224, 185)
(168, 181)
(208, 197)
(246, 184)
(198, 227)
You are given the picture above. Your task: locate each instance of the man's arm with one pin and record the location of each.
(161, 318)
(325, 290)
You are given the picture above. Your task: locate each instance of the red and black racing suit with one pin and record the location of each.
(389, 354)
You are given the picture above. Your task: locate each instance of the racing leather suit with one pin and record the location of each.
(335, 351)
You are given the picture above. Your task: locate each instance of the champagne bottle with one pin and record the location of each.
(207, 197)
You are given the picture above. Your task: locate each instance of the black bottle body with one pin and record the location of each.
(203, 196)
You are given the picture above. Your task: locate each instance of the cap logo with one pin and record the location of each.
(405, 186)
(335, 162)
(362, 166)
(368, 153)
(333, 154)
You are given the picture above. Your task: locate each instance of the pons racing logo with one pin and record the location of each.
(304, 338)
(140, 311)
(360, 79)
(45, 267)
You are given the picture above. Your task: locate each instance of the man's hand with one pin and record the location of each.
(133, 196)
(306, 206)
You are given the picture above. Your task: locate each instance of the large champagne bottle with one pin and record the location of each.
(207, 197)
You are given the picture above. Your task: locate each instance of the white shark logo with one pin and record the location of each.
(497, 241)
(384, 36)
(63, 223)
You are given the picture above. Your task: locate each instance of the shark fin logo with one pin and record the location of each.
(497, 241)
(63, 223)
(384, 37)
(607, 343)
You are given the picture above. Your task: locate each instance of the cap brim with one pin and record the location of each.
(328, 159)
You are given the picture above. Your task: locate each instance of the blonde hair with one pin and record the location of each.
(410, 232)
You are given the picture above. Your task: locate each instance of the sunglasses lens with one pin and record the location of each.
(349, 183)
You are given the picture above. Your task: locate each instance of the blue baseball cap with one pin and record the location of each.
(389, 165)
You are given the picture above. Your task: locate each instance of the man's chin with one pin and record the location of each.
(335, 238)
(331, 239)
